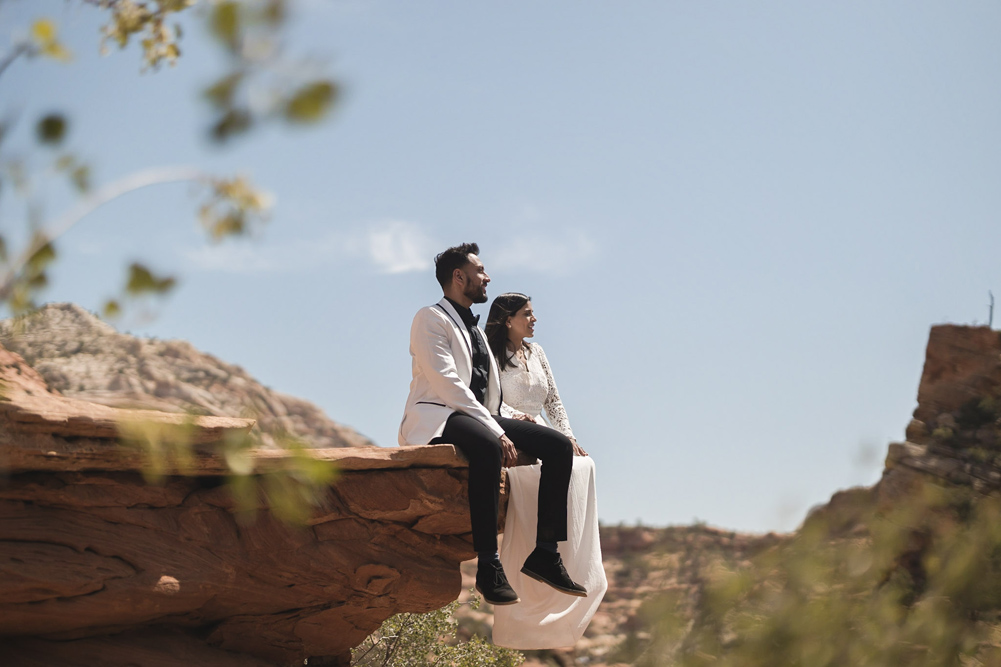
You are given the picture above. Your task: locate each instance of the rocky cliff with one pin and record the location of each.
(97, 566)
(81, 356)
(955, 435)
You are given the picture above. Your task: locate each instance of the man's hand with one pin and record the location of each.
(577, 449)
(509, 452)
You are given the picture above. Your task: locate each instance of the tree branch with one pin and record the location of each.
(16, 53)
(89, 204)
(130, 183)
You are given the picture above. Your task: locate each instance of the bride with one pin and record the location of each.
(545, 618)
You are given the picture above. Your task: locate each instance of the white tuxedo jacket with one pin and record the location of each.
(442, 361)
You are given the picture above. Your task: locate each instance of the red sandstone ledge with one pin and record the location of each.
(42, 430)
(57, 454)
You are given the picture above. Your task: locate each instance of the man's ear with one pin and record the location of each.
(458, 276)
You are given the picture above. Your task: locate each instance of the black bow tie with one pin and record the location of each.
(476, 320)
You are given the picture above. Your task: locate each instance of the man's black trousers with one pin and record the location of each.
(483, 450)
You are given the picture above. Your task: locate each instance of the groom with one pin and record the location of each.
(455, 397)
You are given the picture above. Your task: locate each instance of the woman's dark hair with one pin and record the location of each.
(447, 261)
(501, 311)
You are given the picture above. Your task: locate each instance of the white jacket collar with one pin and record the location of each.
(459, 324)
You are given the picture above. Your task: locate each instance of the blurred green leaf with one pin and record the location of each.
(239, 460)
(112, 309)
(3, 249)
(167, 445)
(233, 122)
(43, 256)
(225, 23)
(81, 177)
(230, 224)
(143, 281)
(220, 94)
(246, 497)
(44, 32)
(319, 472)
(20, 299)
(51, 129)
(285, 500)
(38, 281)
(274, 11)
(311, 103)
(175, 5)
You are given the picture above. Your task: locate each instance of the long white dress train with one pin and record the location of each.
(546, 618)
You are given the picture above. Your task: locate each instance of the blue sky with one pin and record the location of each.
(737, 220)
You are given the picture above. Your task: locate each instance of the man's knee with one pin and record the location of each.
(484, 452)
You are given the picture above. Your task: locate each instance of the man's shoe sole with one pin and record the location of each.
(561, 589)
(496, 604)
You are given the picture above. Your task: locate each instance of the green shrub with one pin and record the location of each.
(916, 585)
(409, 640)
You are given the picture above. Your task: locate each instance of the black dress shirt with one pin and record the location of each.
(481, 353)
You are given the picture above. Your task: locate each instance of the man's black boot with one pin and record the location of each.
(547, 567)
(491, 583)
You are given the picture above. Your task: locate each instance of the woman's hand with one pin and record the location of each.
(523, 417)
(577, 449)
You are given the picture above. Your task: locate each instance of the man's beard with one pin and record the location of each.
(476, 294)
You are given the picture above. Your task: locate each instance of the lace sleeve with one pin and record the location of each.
(554, 406)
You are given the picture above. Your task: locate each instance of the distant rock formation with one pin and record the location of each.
(83, 357)
(955, 435)
(99, 567)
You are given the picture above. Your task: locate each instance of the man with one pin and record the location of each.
(455, 397)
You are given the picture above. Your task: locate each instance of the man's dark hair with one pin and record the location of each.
(456, 257)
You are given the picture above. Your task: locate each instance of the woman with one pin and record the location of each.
(544, 618)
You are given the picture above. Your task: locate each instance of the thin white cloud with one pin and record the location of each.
(257, 256)
(230, 258)
(389, 246)
(552, 252)
(398, 246)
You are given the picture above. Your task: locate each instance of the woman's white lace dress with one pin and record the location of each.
(546, 618)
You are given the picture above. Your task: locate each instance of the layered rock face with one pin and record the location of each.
(954, 435)
(80, 356)
(99, 567)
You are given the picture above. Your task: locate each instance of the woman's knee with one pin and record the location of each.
(560, 448)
